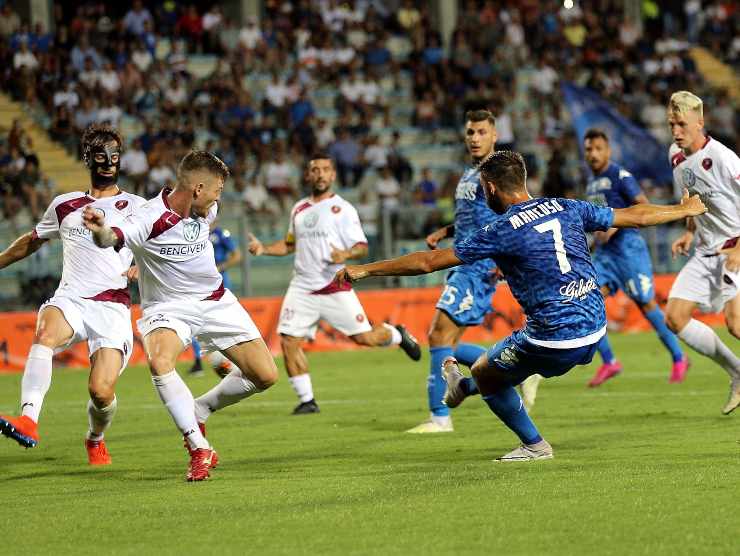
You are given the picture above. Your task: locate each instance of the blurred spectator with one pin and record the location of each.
(427, 189)
(136, 17)
(160, 175)
(388, 190)
(82, 51)
(141, 57)
(250, 36)
(346, 152)
(279, 177)
(408, 16)
(10, 22)
(67, 96)
(376, 154)
(135, 167)
(24, 58)
(108, 79)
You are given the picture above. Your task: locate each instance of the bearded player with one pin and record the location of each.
(324, 232)
(91, 303)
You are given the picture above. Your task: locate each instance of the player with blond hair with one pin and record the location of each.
(710, 280)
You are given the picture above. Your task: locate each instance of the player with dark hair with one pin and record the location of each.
(621, 257)
(92, 301)
(183, 296)
(540, 245)
(324, 231)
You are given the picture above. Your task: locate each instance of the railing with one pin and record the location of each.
(25, 284)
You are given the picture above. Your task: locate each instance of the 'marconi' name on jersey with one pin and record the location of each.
(185, 249)
(539, 211)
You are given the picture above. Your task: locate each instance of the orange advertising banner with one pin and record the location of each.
(413, 307)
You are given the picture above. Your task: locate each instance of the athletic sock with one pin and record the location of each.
(469, 387)
(196, 349)
(436, 385)
(233, 388)
(100, 418)
(395, 335)
(178, 400)
(36, 380)
(467, 354)
(508, 406)
(605, 350)
(302, 387)
(703, 339)
(669, 339)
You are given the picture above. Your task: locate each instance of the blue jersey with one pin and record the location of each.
(615, 187)
(540, 246)
(223, 246)
(471, 214)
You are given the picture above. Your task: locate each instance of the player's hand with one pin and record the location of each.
(338, 256)
(132, 274)
(349, 274)
(733, 257)
(255, 246)
(434, 238)
(682, 245)
(93, 219)
(693, 204)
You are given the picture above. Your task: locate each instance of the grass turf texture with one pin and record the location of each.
(641, 467)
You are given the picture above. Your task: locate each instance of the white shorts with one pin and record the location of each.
(104, 324)
(217, 325)
(302, 310)
(707, 282)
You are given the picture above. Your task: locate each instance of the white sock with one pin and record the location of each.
(178, 400)
(302, 387)
(703, 339)
(100, 418)
(233, 388)
(36, 380)
(441, 419)
(395, 335)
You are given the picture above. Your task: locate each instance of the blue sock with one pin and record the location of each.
(196, 349)
(469, 386)
(436, 385)
(668, 338)
(508, 406)
(605, 350)
(467, 354)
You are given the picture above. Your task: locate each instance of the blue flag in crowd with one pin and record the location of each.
(632, 146)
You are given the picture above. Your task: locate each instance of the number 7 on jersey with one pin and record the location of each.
(557, 238)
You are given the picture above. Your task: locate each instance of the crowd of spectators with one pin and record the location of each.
(105, 63)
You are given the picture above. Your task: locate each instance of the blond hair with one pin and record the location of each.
(685, 101)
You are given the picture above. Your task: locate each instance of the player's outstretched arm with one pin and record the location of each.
(21, 248)
(103, 235)
(278, 249)
(420, 262)
(650, 215)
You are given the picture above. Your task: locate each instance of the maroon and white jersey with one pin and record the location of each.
(174, 254)
(314, 228)
(712, 172)
(89, 271)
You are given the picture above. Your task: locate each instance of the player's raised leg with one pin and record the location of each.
(702, 339)
(162, 346)
(255, 372)
(52, 331)
(101, 407)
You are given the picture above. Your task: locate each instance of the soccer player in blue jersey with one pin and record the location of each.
(227, 255)
(466, 298)
(621, 257)
(541, 247)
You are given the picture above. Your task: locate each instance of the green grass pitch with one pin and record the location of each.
(641, 467)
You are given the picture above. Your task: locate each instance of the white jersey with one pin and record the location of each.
(712, 172)
(88, 271)
(174, 254)
(314, 228)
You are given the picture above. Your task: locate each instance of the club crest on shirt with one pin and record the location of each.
(689, 178)
(335, 209)
(312, 218)
(706, 163)
(122, 204)
(191, 231)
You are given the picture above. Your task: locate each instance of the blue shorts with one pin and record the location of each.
(519, 358)
(627, 267)
(466, 297)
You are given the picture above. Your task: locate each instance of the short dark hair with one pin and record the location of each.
(97, 135)
(321, 155)
(596, 133)
(202, 160)
(505, 169)
(480, 116)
